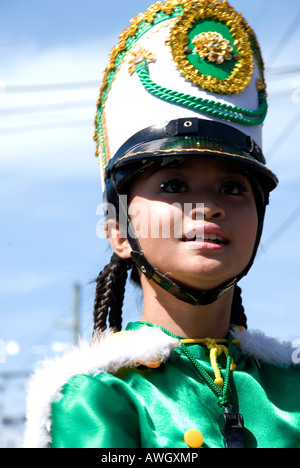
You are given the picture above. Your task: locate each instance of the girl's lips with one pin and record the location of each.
(208, 246)
(204, 234)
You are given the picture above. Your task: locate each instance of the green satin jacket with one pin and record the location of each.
(143, 407)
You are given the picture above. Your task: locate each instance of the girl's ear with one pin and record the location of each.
(117, 239)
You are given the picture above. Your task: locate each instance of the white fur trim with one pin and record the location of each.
(266, 349)
(108, 353)
(111, 352)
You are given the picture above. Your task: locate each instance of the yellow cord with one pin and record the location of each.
(206, 341)
(217, 348)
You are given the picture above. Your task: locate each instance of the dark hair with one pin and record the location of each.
(238, 316)
(109, 298)
(110, 291)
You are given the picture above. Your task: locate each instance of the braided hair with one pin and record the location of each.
(238, 316)
(110, 292)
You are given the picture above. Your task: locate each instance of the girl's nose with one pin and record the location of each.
(207, 211)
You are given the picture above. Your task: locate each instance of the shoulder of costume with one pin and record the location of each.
(107, 353)
(110, 352)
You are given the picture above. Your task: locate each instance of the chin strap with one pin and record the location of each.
(197, 298)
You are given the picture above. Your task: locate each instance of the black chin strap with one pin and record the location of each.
(197, 298)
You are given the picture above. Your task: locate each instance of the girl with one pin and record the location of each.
(188, 374)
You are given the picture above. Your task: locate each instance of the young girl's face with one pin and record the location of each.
(197, 223)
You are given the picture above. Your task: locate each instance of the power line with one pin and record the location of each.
(284, 39)
(262, 12)
(14, 374)
(37, 88)
(59, 106)
(279, 71)
(89, 122)
(283, 228)
(47, 126)
(285, 93)
(287, 130)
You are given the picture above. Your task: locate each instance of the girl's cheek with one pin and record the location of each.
(156, 219)
(247, 228)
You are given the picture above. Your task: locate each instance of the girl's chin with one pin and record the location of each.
(204, 285)
(208, 275)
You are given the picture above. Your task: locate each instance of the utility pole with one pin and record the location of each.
(76, 313)
(74, 324)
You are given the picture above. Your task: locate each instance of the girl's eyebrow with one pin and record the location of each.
(163, 169)
(232, 170)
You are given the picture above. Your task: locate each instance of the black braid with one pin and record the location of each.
(109, 298)
(238, 316)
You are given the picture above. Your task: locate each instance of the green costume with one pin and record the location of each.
(192, 64)
(137, 406)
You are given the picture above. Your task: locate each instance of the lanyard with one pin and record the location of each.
(233, 423)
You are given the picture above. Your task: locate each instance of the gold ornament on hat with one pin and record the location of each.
(213, 47)
(138, 56)
(222, 16)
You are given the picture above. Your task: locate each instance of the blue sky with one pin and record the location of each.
(49, 181)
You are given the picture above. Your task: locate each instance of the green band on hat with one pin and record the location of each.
(223, 111)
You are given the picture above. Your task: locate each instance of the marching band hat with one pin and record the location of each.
(185, 80)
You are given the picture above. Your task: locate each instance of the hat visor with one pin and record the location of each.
(171, 149)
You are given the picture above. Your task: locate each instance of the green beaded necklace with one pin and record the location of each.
(233, 422)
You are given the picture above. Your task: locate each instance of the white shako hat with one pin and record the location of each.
(187, 78)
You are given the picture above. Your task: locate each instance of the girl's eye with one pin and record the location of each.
(174, 185)
(234, 188)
